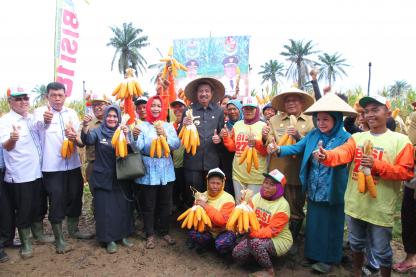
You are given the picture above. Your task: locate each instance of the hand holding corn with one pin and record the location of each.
(243, 218)
(365, 180)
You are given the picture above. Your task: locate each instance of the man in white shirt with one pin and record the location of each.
(62, 177)
(23, 178)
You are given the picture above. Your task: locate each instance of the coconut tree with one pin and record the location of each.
(399, 89)
(40, 95)
(271, 71)
(298, 53)
(128, 42)
(331, 67)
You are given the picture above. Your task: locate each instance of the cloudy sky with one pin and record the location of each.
(382, 32)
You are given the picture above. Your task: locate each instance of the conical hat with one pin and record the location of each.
(278, 102)
(331, 103)
(218, 89)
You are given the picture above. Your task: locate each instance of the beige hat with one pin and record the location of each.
(98, 97)
(331, 103)
(278, 102)
(218, 89)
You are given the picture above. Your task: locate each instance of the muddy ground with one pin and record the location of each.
(88, 258)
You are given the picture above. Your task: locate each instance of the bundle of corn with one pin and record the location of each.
(365, 180)
(287, 139)
(159, 144)
(126, 90)
(196, 216)
(67, 147)
(119, 141)
(172, 64)
(243, 217)
(189, 135)
(181, 95)
(250, 156)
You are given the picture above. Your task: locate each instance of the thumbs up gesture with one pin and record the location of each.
(216, 138)
(272, 146)
(48, 115)
(320, 154)
(14, 134)
(265, 131)
(224, 132)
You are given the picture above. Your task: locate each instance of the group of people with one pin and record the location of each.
(309, 150)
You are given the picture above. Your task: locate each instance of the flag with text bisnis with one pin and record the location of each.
(66, 43)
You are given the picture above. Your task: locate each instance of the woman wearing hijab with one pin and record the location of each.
(234, 114)
(218, 206)
(113, 213)
(273, 239)
(246, 133)
(157, 185)
(325, 186)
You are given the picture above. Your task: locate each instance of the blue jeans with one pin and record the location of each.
(365, 236)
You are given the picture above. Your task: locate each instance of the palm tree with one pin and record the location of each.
(127, 42)
(271, 71)
(41, 93)
(297, 53)
(399, 89)
(331, 67)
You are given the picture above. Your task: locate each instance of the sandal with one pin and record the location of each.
(169, 240)
(150, 242)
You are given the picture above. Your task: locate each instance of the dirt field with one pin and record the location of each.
(90, 259)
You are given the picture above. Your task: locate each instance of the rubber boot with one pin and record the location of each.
(38, 235)
(111, 247)
(295, 226)
(26, 248)
(74, 232)
(60, 244)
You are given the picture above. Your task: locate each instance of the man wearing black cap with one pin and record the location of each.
(140, 104)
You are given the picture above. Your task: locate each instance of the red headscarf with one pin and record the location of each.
(163, 113)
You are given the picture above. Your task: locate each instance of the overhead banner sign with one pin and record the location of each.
(224, 58)
(66, 43)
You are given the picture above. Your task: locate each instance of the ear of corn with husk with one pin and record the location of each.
(243, 218)
(68, 146)
(196, 216)
(364, 179)
(129, 87)
(286, 139)
(189, 136)
(159, 145)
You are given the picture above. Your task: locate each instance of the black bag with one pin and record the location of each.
(130, 167)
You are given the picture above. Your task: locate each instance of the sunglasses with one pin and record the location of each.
(21, 98)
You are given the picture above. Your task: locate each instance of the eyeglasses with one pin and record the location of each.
(18, 99)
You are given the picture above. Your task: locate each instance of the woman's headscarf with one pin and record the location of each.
(109, 131)
(336, 131)
(279, 191)
(163, 113)
(238, 105)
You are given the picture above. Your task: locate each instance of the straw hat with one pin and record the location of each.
(331, 103)
(218, 89)
(278, 101)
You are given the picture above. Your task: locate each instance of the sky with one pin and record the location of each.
(382, 32)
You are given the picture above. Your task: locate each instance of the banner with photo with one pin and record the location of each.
(224, 58)
(66, 43)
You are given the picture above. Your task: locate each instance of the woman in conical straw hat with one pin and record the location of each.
(325, 186)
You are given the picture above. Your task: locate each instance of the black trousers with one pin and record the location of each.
(64, 189)
(7, 225)
(196, 179)
(156, 204)
(28, 202)
(409, 220)
(179, 189)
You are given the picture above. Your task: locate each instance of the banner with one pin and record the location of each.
(66, 43)
(224, 58)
